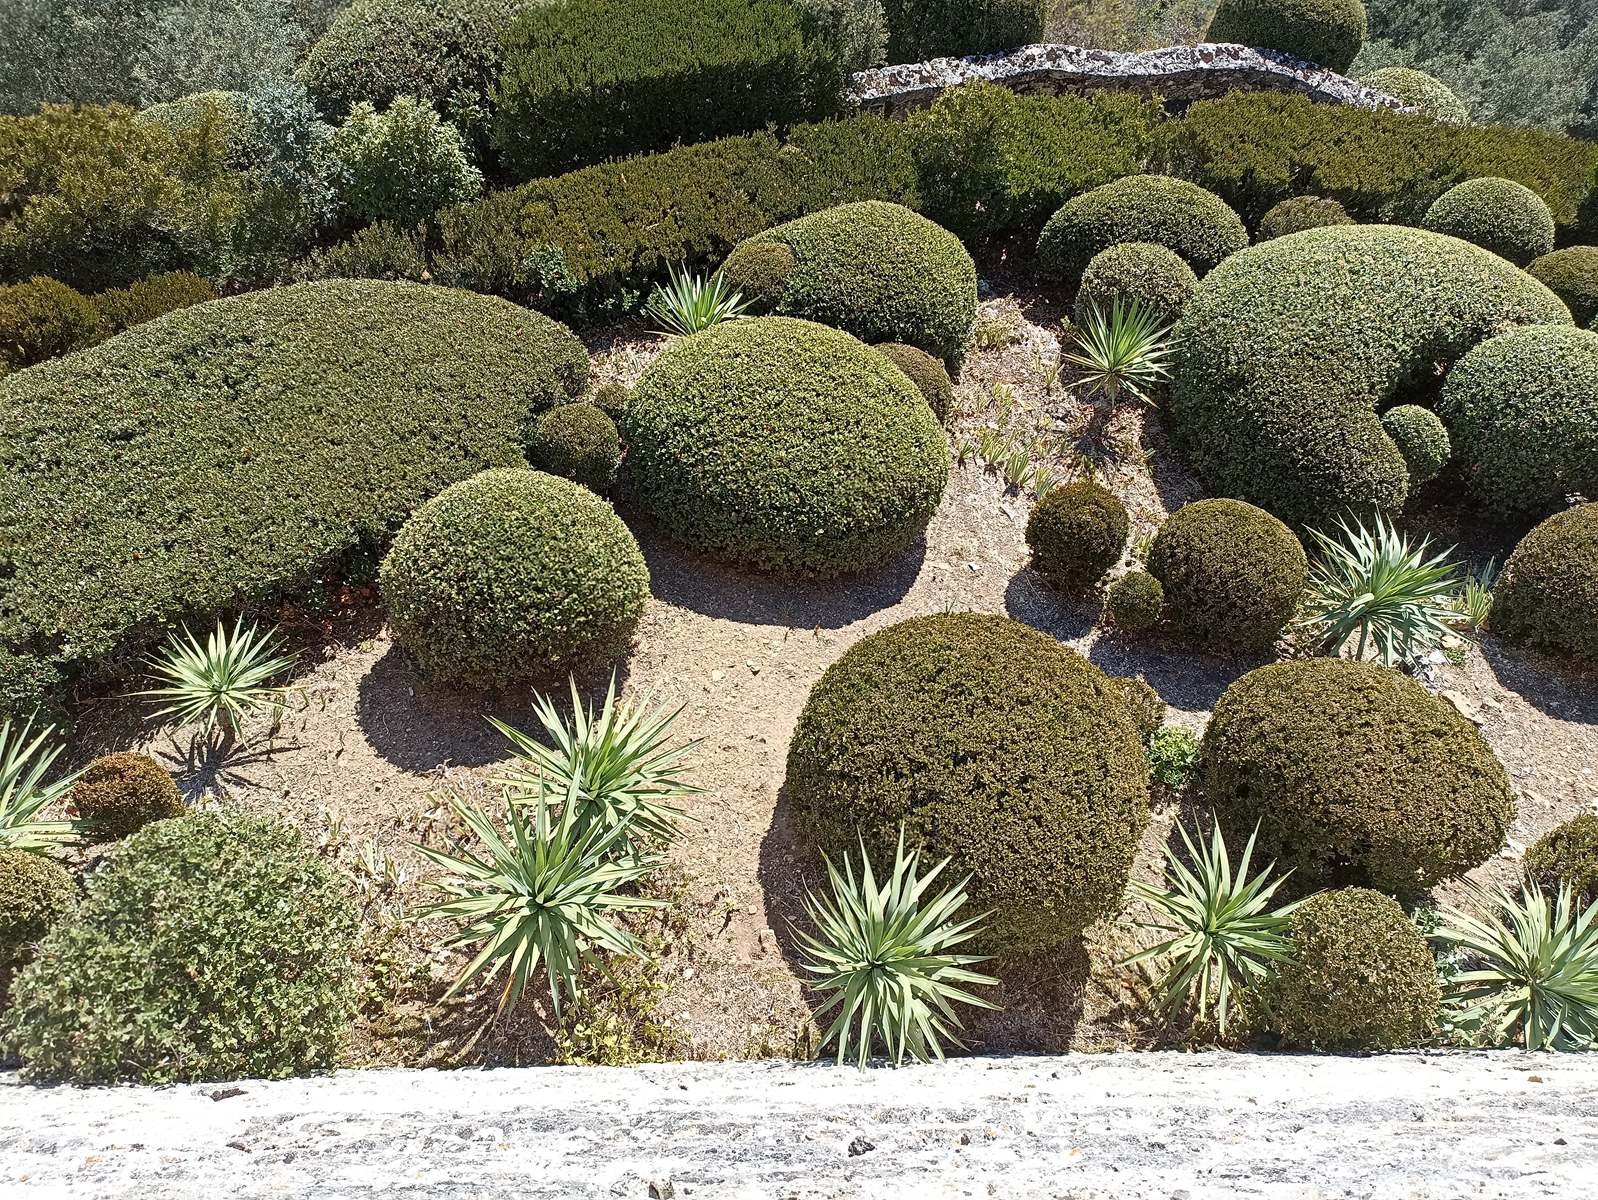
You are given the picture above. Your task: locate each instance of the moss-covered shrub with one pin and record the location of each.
(1522, 411)
(1327, 32)
(880, 272)
(1548, 594)
(1572, 275)
(34, 892)
(1421, 438)
(1291, 349)
(992, 743)
(1135, 271)
(510, 573)
(579, 442)
(1176, 214)
(923, 29)
(929, 375)
(760, 271)
(145, 299)
(1500, 215)
(1361, 976)
(783, 444)
(1356, 775)
(41, 319)
(1567, 855)
(119, 794)
(1426, 94)
(1076, 533)
(1231, 573)
(1135, 602)
(213, 946)
(1298, 213)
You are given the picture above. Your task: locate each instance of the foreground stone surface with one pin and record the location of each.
(1123, 1125)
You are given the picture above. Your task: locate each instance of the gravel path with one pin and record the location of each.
(1127, 1126)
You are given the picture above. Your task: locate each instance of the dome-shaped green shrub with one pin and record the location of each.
(1153, 276)
(146, 299)
(1500, 215)
(1572, 275)
(1329, 33)
(510, 573)
(993, 744)
(215, 946)
(610, 399)
(1567, 855)
(1290, 349)
(41, 319)
(1355, 774)
(34, 892)
(929, 375)
(1421, 438)
(1181, 216)
(1298, 213)
(579, 442)
(1426, 94)
(1135, 602)
(1548, 594)
(783, 444)
(873, 269)
(1232, 574)
(119, 794)
(1076, 533)
(759, 271)
(1522, 412)
(1360, 977)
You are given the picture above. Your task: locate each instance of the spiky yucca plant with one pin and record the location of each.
(25, 759)
(222, 681)
(1126, 347)
(690, 303)
(1473, 603)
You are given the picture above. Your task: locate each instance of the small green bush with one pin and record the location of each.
(1548, 594)
(1142, 272)
(1361, 977)
(759, 270)
(510, 573)
(1076, 533)
(41, 319)
(1355, 775)
(611, 399)
(1500, 215)
(402, 164)
(215, 946)
(1422, 439)
(34, 892)
(1329, 33)
(1567, 855)
(929, 375)
(1298, 213)
(1428, 95)
(1232, 574)
(991, 743)
(146, 299)
(1135, 602)
(578, 442)
(1173, 213)
(119, 794)
(382, 250)
(923, 29)
(1173, 757)
(1572, 275)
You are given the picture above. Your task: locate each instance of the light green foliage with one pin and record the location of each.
(1500, 215)
(34, 892)
(690, 303)
(1135, 273)
(221, 683)
(1548, 594)
(1421, 438)
(857, 28)
(1420, 91)
(1181, 216)
(1326, 32)
(1125, 347)
(380, 251)
(26, 758)
(145, 299)
(1173, 757)
(403, 164)
(579, 442)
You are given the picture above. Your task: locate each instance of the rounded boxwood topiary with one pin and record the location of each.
(146, 299)
(1426, 94)
(34, 892)
(1355, 774)
(611, 399)
(1231, 573)
(1151, 275)
(1567, 855)
(1290, 349)
(119, 794)
(1327, 32)
(1522, 412)
(1421, 438)
(873, 269)
(1500, 215)
(1361, 976)
(1076, 533)
(1548, 594)
(42, 319)
(1298, 213)
(214, 946)
(1135, 602)
(783, 444)
(759, 271)
(929, 375)
(991, 743)
(510, 573)
(1181, 216)
(1572, 275)
(578, 442)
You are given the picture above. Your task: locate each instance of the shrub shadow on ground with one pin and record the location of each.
(1030, 599)
(1557, 687)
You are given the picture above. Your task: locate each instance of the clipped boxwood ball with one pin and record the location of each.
(759, 271)
(34, 892)
(1329, 33)
(1421, 438)
(783, 444)
(1076, 533)
(43, 318)
(1426, 94)
(1298, 213)
(1522, 411)
(1355, 774)
(577, 442)
(1361, 976)
(509, 573)
(1567, 855)
(610, 399)
(1547, 595)
(119, 794)
(873, 269)
(1500, 215)
(1181, 216)
(993, 744)
(1135, 602)
(1232, 574)
(1151, 275)
(929, 375)
(1572, 275)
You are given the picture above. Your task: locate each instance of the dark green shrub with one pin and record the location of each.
(403, 164)
(1499, 215)
(1142, 272)
(1422, 439)
(510, 573)
(1298, 213)
(146, 299)
(1327, 32)
(119, 794)
(1291, 348)
(1135, 602)
(991, 743)
(41, 319)
(258, 441)
(1145, 706)
(578, 442)
(379, 251)
(1567, 855)
(760, 271)
(1231, 573)
(611, 399)
(923, 29)
(1076, 533)
(929, 375)
(34, 892)
(784, 444)
(1572, 275)
(1173, 213)
(215, 946)
(1356, 775)
(1548, 593)
(880, 272)
(1522, 411)
(1361, 977)
(1425, 93)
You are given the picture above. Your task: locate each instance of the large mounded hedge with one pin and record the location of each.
(991, 743)
(1500, 215)
(1289, 351)
(1329, 33)
(783, 444)
(239, 450)
(1548, 594)
(1176, 214)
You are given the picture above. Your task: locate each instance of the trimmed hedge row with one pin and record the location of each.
(44, 318)
(923, 29)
